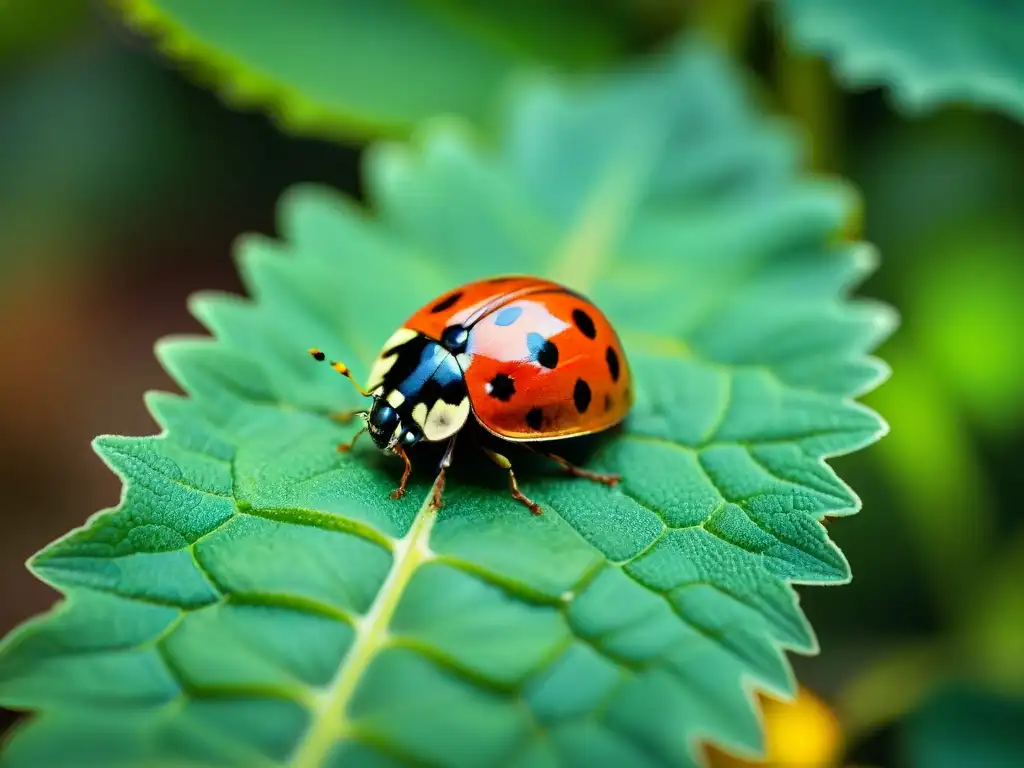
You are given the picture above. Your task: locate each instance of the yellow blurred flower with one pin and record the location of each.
(803, 733)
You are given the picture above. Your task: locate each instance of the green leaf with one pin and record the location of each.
(370, 67)
(257, 599)
(967, 51)
(962, 725)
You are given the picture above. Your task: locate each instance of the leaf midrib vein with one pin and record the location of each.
(603, 217)
(329, 721)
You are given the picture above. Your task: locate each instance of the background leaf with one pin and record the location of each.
(963, 725)
(927, 53)
(256, 599)
(365, 68)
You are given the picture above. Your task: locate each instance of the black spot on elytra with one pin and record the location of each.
(507, 316)
(608, 403)
(542, 350)
(612, 358)
(501, 279)
(446, 303)
(502, 387)
(534, 418)
(581, 395)
(584, 323)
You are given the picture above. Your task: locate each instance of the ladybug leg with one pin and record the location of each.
(399, 492)
(346, 447)
(504, 463)
(572, 469)
(446, 462)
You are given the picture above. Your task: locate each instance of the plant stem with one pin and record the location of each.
(806, 93)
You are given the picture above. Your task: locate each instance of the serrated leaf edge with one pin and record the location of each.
(916, 89)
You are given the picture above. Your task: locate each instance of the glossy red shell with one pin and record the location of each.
(541, 362)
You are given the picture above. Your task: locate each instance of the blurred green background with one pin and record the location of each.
(123, 185)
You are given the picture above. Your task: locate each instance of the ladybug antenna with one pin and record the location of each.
(340, 368)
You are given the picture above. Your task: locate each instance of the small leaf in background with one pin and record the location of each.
(965, 726)
(371, 67)
(257, 599)
(927, 53)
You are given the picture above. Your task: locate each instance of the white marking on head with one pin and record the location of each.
(444, 419)
(395, 437)
(419, 414)
(395, 398)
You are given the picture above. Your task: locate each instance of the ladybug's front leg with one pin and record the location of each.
(399, 492)
(572, 469)
(446, 462)
(504, 463)
(346, 447)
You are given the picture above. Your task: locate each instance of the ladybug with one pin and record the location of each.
(528, 359)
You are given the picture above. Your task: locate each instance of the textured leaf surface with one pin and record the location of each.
(256, 599)
(928, 53)
(363, 67)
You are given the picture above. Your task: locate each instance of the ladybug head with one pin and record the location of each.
(382, 422)
(386, 429)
